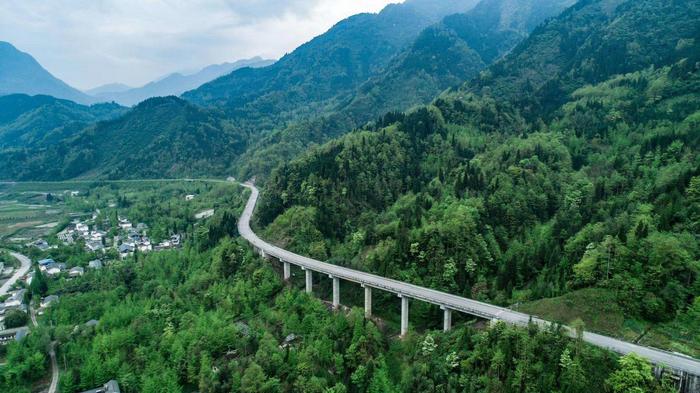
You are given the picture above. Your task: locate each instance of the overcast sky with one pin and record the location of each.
(88, 43)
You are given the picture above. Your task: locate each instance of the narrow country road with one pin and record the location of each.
(453, 302)
(54, 368)
(26, 264)
(52, 354)
(32, 314)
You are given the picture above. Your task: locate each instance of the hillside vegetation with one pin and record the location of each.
(36, 121)
(160, 138)
(468, 197)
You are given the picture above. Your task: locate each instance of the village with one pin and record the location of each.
(99, 238)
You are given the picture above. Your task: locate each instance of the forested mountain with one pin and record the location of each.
(559, 176)
(161, 137)
(449, 53)
(462, 197)
(475, 195)
(591, 42)
(42, 120)
(175, 84)
(329, 66)
(443, 55)
(539, 73)
(20, 73)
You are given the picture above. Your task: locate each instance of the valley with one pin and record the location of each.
(439, 196)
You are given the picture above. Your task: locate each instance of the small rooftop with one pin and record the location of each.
(110, 387)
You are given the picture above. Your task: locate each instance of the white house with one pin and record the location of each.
(66, 236)
(125, 224)
(83, 228)
(125, 249)
(94, 246)
(53, 270)
(145, 246)
(76, 271)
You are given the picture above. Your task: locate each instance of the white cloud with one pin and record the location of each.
(91, 42)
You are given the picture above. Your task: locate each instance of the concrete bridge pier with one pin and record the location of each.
(368, 301)
(447, 319)
(286, 270)
(683, 381)
(404, 315)
(336, 292)
(309, 280)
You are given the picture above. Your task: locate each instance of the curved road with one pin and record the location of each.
(26, 264)
(458, 303)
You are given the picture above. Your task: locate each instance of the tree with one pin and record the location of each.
(254, 379)
(634, 376)
(39, 286)
(573, 378)
(15, 319)
(226, 258)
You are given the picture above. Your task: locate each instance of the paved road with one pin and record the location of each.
(54, 368)
(52, 354)
(458, 303)
(26, 264)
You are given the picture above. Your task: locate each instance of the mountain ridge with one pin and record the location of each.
(176, 83)
(20, 73)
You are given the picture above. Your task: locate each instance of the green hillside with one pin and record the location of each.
(589, 43)
(43, 120)
(465, 196)
(314, 75)
(445, 55)
(160, 138)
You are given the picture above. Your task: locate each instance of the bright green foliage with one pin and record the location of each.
(26, 362)
(634, 376)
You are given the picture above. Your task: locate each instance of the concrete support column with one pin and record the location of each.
(368, 301)
(404, 315)
(286, 270)
(447, 319)
(336, 292)
(309, 281)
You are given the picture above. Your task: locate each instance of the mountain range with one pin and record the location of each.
(525, 53)
(20, 73)
(313, 77)
(173, 84)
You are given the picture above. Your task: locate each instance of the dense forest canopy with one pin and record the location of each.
(215, 318)
(518, 153)
(465, 196)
